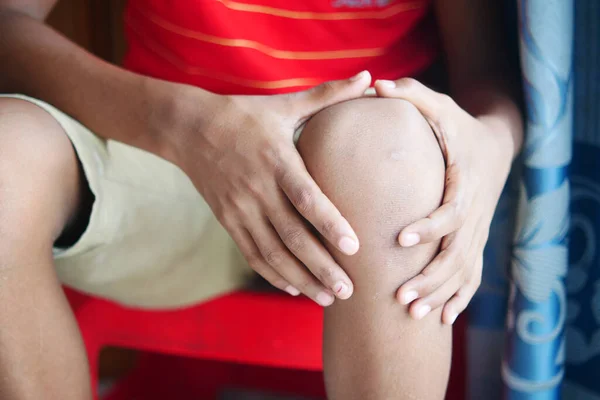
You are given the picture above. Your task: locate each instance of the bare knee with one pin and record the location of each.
(38, 172)
(388, 145)
(380, 164)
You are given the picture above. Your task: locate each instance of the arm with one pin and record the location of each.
(259, 189)
(479, 130)
(481, 80)
(113, 103)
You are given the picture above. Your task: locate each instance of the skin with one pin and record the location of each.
(41, 352)
(190, 127)
(197, 130)
(372, 348)
(480, 131)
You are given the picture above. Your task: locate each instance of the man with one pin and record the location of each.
(109, 177)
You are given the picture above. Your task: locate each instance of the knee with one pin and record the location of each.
(36, 169)
(380, 164)
(374, 151)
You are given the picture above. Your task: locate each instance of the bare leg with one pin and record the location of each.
(41, 352)
(379, 163)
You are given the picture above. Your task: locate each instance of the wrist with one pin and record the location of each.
(493, 104)
(177, 111)
(502, 145)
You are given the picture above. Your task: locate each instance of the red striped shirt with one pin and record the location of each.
(275, 46)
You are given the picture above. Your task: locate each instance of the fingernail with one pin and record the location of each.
(422, 311)
(348, 245)
(359, 76)
(342, 291)
(324, 299)
(370, 91)
(387, 84)
(409, 239)
(453, 318)
(292, 290)
(409, 296)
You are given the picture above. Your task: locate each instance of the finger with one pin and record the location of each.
(437, 298)
(438, 271)
(301, 242)
(446, 219)
(244, 241)
(315, 207)
(461, 299)
(311, 101)
(285, 264)
(427, 101)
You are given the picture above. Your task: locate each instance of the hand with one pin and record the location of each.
(247, 168)
(477, 165)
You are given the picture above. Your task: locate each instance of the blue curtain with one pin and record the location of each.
(534, 329)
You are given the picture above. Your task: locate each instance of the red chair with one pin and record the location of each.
(264, 341)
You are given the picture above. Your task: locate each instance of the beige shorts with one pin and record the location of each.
(152, 241)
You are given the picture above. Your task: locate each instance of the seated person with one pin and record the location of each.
(140, 184)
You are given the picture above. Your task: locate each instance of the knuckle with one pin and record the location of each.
(230, 217)
(254, 188)
(274, 257)
(326, 90)
(272, 154)
(458, 213)
(328, 227)
(458, 260)
(447, 257)
(285, 175)
(430, 274)
(446, 100)
(295, 240)
(303, 200)
(429, 228)
(236, 205)
(223, 217)
(430, 271)
(304, 285)
(227, 223)
(325, 274)
(452, 263)
(228, 198)
(407, 84)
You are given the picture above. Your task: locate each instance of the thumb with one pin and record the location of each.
(311, 101)
(425, 99)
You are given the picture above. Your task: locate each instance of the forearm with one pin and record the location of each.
(482, 80)
(494, 103)
(114, 103)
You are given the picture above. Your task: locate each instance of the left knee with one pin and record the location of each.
(380, 164)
